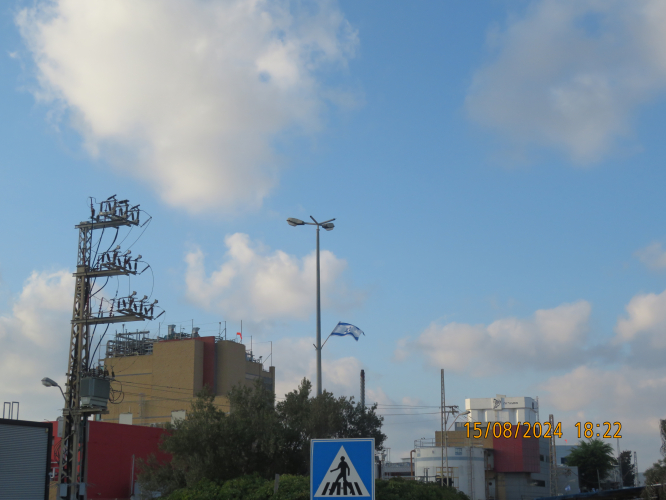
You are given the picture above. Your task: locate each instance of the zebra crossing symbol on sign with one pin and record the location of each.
(342, 480)
(342, 468)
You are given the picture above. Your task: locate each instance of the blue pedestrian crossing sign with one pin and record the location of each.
(342, 468)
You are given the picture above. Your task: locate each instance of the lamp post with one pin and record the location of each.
(328, 225)
(47, 382)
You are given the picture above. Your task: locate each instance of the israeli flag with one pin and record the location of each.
(343, 329)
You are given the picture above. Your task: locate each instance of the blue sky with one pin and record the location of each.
(495, 173)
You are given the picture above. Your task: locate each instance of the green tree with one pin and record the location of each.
(594, 460)
(627, 469)
(256, 437)
(194, 444)
(655, 476)
(304, 418)
(657, 473)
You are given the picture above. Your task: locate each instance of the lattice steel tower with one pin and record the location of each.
(87, 388)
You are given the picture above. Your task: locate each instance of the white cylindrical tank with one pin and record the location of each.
(466, 466)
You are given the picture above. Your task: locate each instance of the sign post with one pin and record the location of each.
(342, 468)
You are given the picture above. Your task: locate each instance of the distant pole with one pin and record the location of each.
(619, 464)
(552, 459)
(444, 440)
(636, 480)
(363, 389)
(318, 321)
(441, 418)
(598, 480)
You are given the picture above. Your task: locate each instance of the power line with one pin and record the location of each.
(407, 414)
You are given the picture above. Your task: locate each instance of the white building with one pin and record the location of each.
(466, 468)
(502, 409)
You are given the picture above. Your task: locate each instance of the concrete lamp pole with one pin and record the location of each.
(328, 225)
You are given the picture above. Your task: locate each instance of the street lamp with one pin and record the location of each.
(328, 225)
(47, 382)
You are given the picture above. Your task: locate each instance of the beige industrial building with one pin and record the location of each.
(157, 379)
(489, 467)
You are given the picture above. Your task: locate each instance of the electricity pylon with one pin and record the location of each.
(112, 214)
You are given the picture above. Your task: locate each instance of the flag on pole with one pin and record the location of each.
(343, 329)
(241, 335)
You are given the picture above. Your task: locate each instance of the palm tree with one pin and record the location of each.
(594, 460)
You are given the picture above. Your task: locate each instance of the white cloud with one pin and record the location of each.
(34, 339)
(627, 395)
(642, 330)
(296, 358)
(551, 338)
(571, 74)
(256, 284)
(188, 96)
(653, 256)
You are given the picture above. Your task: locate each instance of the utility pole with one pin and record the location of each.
(553, 459)
(86, 387)
(444, 441)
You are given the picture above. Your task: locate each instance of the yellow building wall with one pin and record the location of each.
(460, 439)
(168, 380)
(230, 365)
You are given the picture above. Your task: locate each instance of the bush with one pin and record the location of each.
(247, 488)
(400, 489)
(298, 488)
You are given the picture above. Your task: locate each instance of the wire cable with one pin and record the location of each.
(146, 224)
(100, 341)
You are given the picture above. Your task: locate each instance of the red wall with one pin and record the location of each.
(209, 359)
(110, 450)
(516, 454)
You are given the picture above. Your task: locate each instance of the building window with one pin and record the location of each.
(539, 483)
